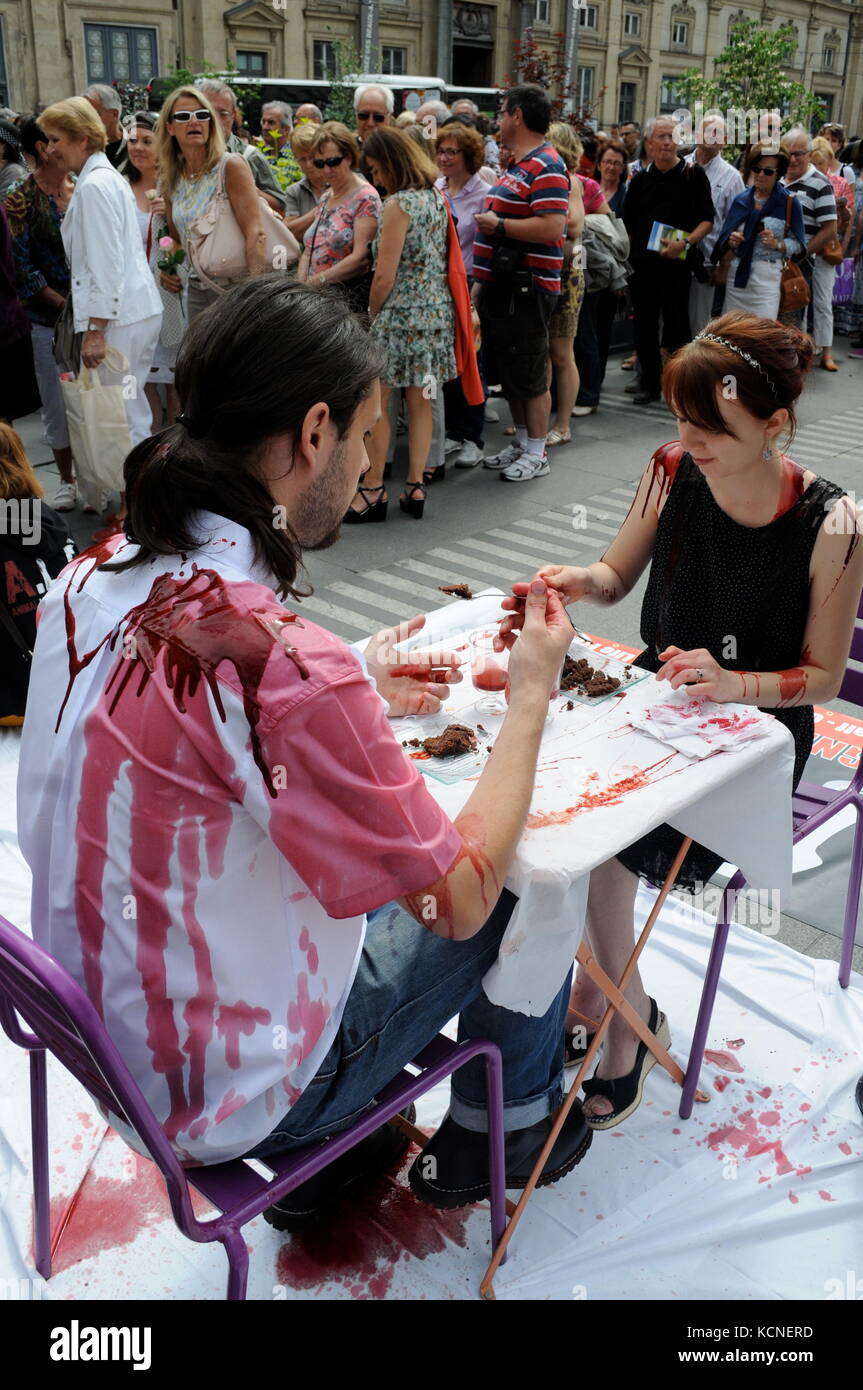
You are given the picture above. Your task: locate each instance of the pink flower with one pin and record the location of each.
(166, 243)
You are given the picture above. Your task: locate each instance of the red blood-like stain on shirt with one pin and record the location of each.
(792, 685)
(311, 950)
(232, 1101)
(791, 488)
(382, 1226)
(746, 1137)
(664, 466)
(611, 795)
(723, 1060)
(235, 1019)
(307, 1016)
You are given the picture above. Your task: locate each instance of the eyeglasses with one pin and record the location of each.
(328, 163)
(760, 169)
(448, 154)
(378, 116)
(190, 116)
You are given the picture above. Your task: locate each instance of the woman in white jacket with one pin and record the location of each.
(114, 299)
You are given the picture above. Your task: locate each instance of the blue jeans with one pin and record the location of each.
(409, 984)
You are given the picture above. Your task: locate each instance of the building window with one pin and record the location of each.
(828, 58)
(670, 99)
(583, 86)
(588, 16)
(541, 12)
(394, 61)
(679, 34)
(632, 25)
(826, 99)
(323, 60)
(120, 53)
(4, 89)
(251, 64)
(626, 105)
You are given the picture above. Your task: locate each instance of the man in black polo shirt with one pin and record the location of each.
(677, 194)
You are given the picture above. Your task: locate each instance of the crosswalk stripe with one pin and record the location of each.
(343, 616)
(368, 596)
(398, 581)
(524, 542)
(601, 531)
(417, 567)
(544, 529)
(518, 557)
(503, 574)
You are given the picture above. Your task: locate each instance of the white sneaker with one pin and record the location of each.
(508, 455)
(451, 446)
(578, 410)
(93, 510)
(491, 415)
(525, 467)
(66, 498)
(470, 455)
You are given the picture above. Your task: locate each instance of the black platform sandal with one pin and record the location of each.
(434, 475)
(624, 1092)
(413, 504)
(373, 511)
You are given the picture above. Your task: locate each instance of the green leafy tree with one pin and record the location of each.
(547, 69)
(340, 103)
(749, 75)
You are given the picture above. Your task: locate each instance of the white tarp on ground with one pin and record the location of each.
(759, 1195)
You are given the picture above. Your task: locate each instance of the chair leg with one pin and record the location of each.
(708, 995)
(496, 1157)
(238, 1265)
(852, 903)
(41, 1172)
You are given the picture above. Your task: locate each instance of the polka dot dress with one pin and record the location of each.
(742, 593)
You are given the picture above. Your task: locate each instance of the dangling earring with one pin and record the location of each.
(767, 451)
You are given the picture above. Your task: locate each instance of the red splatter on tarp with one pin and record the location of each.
(723, 1060)
(359, 1251)
(845, 1147)
(746, 1137)
(826, 1196)
(734, 1042)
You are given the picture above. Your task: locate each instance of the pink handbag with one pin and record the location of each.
(217, 248)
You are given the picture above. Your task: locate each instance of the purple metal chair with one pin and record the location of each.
(35, 986)
(811, 806)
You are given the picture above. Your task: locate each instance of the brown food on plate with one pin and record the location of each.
(455, 740)
(457, 590)
(601, 684)
(582, 677)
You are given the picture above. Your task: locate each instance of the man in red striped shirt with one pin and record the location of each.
(517, 259)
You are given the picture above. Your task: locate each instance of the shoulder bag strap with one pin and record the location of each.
(8, 622)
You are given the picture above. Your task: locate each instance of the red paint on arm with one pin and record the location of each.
(474, 837)
(792, 686)
(791, 487)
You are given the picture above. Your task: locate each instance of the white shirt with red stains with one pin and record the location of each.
(210, 799)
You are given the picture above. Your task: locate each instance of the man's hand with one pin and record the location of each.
(486, 222)
(700, 674)
(672, 248)
(570, 583)
(93, 348)
(537, 656)
(169, 281)
(411, 682)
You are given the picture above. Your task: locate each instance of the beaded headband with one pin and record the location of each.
(723, 342)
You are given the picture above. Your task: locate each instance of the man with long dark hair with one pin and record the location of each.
(211, 798)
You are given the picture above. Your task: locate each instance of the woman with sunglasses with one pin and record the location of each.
(338, 241)
(754, 239)
(193, 164)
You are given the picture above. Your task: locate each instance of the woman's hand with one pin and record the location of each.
(701, 674)
(93, 348)
(569, 583)
(768, 239)
(171, 282)
(411, 682)
(157, 205)
(735, 239)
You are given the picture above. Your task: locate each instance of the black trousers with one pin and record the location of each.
(659, 287)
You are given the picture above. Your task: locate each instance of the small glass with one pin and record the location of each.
(489, 671)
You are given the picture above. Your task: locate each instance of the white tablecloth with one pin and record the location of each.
(737, 803)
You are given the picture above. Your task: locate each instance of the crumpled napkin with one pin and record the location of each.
(697, 726)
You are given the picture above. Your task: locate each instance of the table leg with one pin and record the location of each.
(616, 1002)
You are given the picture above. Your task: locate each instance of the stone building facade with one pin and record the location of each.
(624, 54)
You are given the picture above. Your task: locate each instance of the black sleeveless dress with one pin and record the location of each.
(743, 594)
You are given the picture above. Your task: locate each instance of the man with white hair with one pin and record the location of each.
(224, 103)
(108, 106)
(373, 106)
(277, 119)
(310, 113)
(725, 184)
(818, 205)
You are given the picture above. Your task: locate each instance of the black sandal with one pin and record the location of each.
(624, 1092)
(435, 474)
(573, 1053)
(415, 501)
(372, 511)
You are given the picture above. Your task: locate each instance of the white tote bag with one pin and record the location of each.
(98, 426)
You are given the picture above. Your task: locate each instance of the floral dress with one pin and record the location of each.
(330, 238)
(416, 324)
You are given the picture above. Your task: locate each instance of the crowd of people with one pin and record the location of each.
(428, 258)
